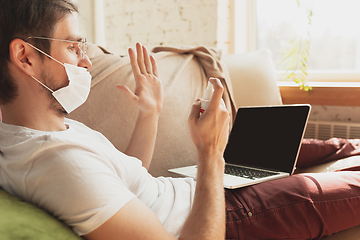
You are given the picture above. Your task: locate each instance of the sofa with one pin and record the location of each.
(249, 80)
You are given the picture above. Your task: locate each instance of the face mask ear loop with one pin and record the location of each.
(42, 84)
(44, 53)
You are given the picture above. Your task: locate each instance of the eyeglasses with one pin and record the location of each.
(81, 45)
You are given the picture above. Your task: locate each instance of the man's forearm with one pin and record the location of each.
(209, 133)
(207, 217)
(143, 139)
(148, 98)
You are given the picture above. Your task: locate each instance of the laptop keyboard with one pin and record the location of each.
(249, 173)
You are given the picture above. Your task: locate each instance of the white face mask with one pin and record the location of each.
(76, 93)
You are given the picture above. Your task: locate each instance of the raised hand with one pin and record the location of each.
(148, 94)
(210, 131)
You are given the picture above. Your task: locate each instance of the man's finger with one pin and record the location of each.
(140, 58)
(147, 62)
(195, 110)
(154, 66)
(217, 94)
(133, 63)
(129, 94)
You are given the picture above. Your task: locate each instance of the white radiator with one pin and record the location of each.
(324, 130)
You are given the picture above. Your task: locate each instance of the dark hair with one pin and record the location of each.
(22, 19)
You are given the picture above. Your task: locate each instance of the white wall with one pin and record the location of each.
(335, 113)
(156, 22)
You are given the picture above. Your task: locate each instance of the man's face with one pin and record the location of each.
(53, 74)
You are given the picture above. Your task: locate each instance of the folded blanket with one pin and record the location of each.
(210, 60)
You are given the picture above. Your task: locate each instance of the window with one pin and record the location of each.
(334, 33)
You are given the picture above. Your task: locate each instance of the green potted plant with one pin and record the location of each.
(295, 57)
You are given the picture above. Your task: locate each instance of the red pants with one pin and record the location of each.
(302, 206)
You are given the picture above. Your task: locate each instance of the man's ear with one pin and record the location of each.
(23, 56)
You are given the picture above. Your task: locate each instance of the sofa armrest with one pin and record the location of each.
(253, 78)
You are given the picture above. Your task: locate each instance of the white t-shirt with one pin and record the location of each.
(80, 177)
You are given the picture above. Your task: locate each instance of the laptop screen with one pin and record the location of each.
(267, 137)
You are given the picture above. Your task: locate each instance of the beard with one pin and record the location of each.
(48, 78)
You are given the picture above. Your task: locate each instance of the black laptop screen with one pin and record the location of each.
(267, 137)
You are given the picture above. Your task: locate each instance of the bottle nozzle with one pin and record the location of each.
(208, 92)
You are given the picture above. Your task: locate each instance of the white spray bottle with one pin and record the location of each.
(206, 99)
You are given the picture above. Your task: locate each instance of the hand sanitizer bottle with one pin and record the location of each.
(207, 96)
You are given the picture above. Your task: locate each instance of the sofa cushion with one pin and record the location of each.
(253, 78)
(21, 220)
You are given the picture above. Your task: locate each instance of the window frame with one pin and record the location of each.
(244, 40)
(330, 88)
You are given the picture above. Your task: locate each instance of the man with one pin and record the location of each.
(77, 175)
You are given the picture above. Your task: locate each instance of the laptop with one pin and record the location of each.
(263, 145)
